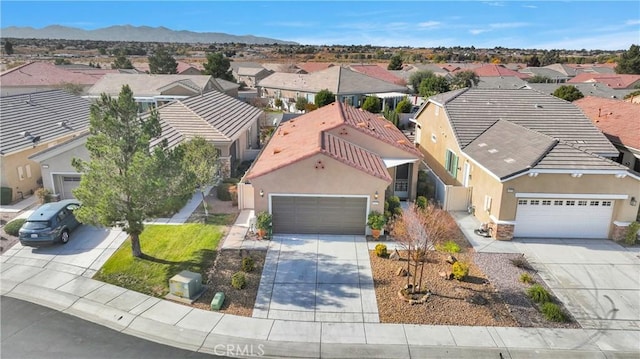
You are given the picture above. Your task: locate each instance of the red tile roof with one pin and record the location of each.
(305, 136)
(43, 74)
(492, 70)
(620, 81)
(618, 120)
(379, 73)
(310, 67)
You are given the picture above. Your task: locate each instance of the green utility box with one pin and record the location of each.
(6, 195)
(217, 301)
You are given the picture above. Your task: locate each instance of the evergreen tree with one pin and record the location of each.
(161, 62)
(629, 62)
(218, 66)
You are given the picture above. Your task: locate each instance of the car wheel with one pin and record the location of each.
(64, 237)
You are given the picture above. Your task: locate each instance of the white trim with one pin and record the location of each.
(621, 224)
(571, 195)
(482, 167)
(498, 221)
(394, 162)
(567, 171)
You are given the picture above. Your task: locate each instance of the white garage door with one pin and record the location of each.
(69, 183)
(563, 218)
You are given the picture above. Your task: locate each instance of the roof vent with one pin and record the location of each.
(482, 144)
(25, 134)
(284, 133)
(361, 124)
(509, 160)
(493, 150)
(538, 106)
(276, 150)
(62, 123)
(388, 125)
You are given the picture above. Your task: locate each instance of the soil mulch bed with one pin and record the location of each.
(218, 279)
(449, 302)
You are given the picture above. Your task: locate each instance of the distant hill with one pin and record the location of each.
(134, 33)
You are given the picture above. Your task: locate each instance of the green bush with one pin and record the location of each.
(392, 207)
(248, 264)
(238, 280)
(521, 263)
(448, 246)
(12, 228)
(632, 233)
(376, 220)
(263, 220)
(538, 294)
(222, 191)
(526, 278)
(553, 312)
(460, 270)
(421, 202)
(381, 250)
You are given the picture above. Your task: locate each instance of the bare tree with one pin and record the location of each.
(418, 231)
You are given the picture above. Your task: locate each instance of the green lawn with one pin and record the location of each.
(168, 250)
(216, 219)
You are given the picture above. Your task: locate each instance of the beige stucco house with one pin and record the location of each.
(324, 171)
(534, 165)
(30, 124)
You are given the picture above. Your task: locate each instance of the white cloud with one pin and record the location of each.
(613, 41)
(478, 31)
(530, 6)
(632, 22)
(429, 24)
(508, 25)
(495, 3)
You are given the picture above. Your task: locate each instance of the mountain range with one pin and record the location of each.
(134, 33)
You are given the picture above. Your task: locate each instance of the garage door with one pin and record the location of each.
(69, 183)
(325, 215)
(563, 218)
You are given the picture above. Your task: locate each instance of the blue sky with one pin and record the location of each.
(606, 25)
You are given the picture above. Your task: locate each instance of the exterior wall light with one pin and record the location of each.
(375, 196)
(261, 193)
(633, 201)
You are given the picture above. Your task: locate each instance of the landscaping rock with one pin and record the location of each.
(446, 275)
(477, 299)
(401, 272)
(395, 256)
(451, 259)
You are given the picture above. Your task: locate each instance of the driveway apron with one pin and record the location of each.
(323, 278)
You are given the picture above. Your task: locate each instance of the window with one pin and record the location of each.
(594, 203)
(535, 202)
(606, 203)
(487, 203)
(28, 170)
(582, 203)
(546, 203)
(570, 203)
(522, 202)
(451, 163)
(557, 203)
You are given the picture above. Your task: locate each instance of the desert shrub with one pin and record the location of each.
(392, 207)
(448, 246)
(238, 280)
(43, 194)
(538, 294)
(526, 278)
(381, 250)
(632, 233)
(222, 191)
(520, 262)
(553, 312)
(460, 270)
(421, 202)
(248, 264)
(12, 228)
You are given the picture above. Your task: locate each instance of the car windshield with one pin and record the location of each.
(36, 224)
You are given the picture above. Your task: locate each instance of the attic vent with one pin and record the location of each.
(284, 133)
(493, 150)
(537, 106)
(482, 144)
(580, 141)
(361, 124)
(25, 134)
(276, 150)
(509, 160)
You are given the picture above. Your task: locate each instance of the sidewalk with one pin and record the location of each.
(186, 211)
(20, 206)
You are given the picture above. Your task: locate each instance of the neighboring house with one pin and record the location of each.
(492, 70)
(501, 82)
(532, 165)
(250, 76)
(32, 123)
(587, 89)
(324, 171)
(378, 72)
(183, 68)
(230, 124)
(552, 75)
(43, 76)
(348, 86)
(620, 122)
(615, 81)
(564, 69)
(154, 90)
(310, 67)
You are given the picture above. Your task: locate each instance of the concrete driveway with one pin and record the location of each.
(87, 250)
(597, 280)
(322, 278)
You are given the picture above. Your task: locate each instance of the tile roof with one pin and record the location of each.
(182, 66)
(619, 120)
(215, 116)
(148, 85)
(44, 74)
(305, 136)
(379, 73)
(492, 70)
(310, 67)
(543, 71)
(564, 156)
(617, 81)
(502, 82)
(473, 111)
(47, 114)
(587, 89)
(563, 69)
(337, 79)
(251, 71)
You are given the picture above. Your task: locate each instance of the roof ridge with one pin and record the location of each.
(17, 67)
(201, 118)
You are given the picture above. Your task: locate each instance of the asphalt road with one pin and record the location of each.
(33, 331)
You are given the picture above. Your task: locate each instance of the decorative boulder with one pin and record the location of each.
(395, 255)
(446, 275)
(451, 259)
(401, 272)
